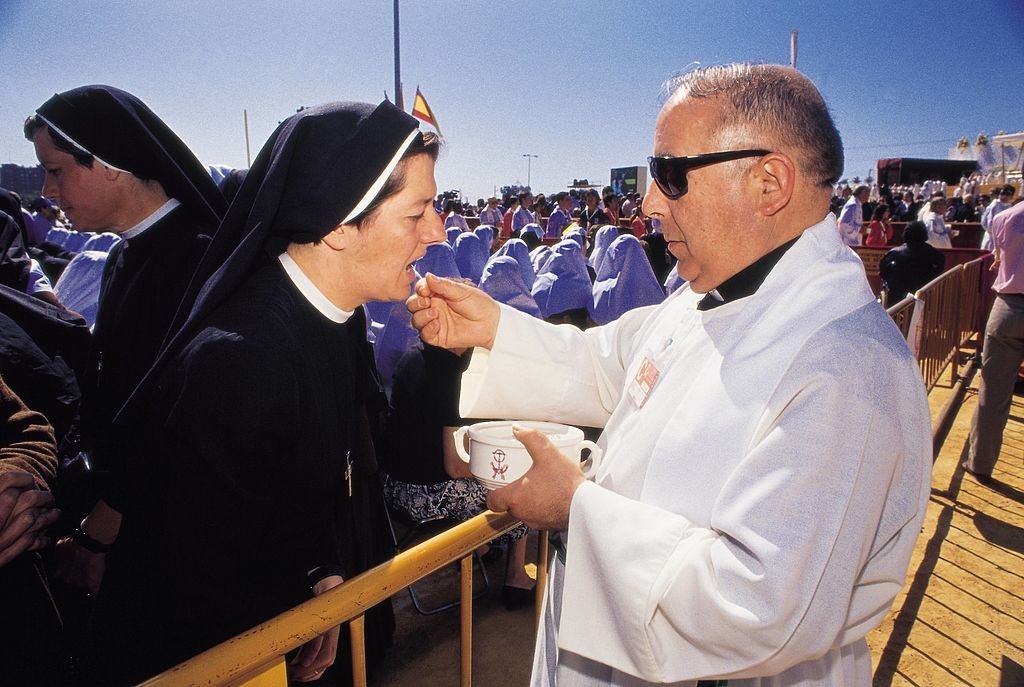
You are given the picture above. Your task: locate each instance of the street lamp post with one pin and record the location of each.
(529, 161)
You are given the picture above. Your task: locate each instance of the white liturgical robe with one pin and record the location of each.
(757, 505)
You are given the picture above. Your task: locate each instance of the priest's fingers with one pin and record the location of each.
(420, 299)
(540, 498)
(537, 443)
(422, 288)
(428, 323)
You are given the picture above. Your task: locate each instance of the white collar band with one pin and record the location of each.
(310, 291)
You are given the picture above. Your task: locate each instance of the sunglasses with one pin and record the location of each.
(670, 172)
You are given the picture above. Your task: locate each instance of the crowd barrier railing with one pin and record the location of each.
(902, 313)
(944, 316)
(256, 658)
(940, 325)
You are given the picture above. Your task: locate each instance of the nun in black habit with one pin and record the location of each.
(113, 165)
(259, 489)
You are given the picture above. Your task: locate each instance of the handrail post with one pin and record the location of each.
(542, 572)
(466, 621)
(357, 641)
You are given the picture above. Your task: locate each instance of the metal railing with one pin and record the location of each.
(257, 657)
(971, 304)
(902, 313)
(940, 325)
(944, 316)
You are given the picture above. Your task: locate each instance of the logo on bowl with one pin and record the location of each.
(497, 464)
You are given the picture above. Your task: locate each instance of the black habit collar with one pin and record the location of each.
(745, 282)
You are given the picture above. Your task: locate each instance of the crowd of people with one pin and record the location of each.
(865, 211)
(216, 385)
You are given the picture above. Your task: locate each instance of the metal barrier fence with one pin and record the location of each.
(256, 658)
(943, 316)
(902, 313)
(940, 325)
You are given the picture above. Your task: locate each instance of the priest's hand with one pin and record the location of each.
(451, 314)
(540, 498)
(317, 655)
(26, 512)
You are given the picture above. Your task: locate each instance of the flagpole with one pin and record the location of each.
(398, 65)
(248, 156)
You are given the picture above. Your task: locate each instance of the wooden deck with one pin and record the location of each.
(960, 618)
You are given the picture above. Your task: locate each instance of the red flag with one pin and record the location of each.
(421, 110)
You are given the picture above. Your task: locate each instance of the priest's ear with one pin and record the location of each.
(776, 177)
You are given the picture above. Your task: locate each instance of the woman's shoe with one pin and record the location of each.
(514, 598)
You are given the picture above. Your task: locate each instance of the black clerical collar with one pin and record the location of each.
(745, 282)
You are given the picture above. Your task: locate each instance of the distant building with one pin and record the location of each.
(27, 182)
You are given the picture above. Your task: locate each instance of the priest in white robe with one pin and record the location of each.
(761, 491)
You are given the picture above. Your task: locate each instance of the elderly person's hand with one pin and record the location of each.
(317, 655)
(451, 314)
(540, 498)
(26, 512)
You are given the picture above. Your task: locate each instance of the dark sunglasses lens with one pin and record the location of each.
(670, 175)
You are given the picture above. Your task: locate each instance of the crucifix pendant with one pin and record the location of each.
(348, 471)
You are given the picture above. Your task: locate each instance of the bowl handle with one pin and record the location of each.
(590, 467)
(460, 448)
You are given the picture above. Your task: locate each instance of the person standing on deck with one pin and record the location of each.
(760, 493)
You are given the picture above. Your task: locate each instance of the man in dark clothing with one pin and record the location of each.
(907, 268)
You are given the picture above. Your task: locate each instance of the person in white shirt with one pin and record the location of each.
(760, 493)
(938, 232)
(491, 214)
(999, 203)
(851, 218)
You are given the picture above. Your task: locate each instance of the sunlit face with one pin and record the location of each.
(710, 229)
(86, 195)
(383, 249)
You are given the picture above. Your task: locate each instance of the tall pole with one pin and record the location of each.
(398, 65)
(248, 155)
(792, 48)
(529, 160)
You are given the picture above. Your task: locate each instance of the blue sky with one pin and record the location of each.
(577, 83)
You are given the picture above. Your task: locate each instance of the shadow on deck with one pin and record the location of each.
(960, 618)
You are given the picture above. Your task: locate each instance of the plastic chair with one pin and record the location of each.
(416, 532)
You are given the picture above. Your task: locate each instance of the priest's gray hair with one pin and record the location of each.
(773, 101)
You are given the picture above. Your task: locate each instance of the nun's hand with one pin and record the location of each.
(317, 655)
(540, 498)
(451, 314)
